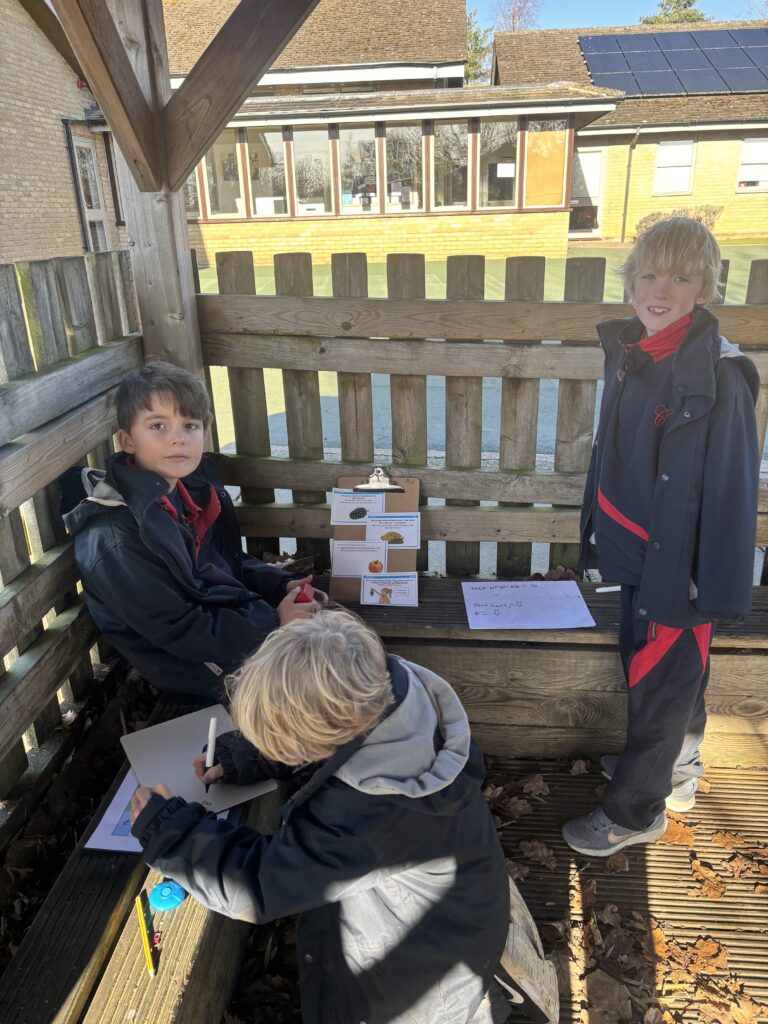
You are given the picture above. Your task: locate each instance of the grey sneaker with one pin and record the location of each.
(597, 836)
(681, 799)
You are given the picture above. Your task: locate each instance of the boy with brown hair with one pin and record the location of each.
(669, 512)
(158, 545)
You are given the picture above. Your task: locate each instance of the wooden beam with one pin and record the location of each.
(33, 593)
(102, 55)
(50, 26)
(244, 48)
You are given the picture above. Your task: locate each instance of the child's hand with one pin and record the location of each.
(320, 595)
(207, 775)
(143, 795)
(288, 610)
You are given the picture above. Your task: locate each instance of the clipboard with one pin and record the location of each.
(404, 499)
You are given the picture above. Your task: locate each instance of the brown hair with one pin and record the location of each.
(183, 388)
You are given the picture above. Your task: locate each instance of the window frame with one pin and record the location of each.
(479, 207)
(385, 163)
(91, 216)
(596, 232)
(251, 198)
(332, 185)
(430, 157)
(209, 214)
(747, 189)
(668, 143)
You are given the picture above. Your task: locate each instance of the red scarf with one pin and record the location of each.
(202, 519)
(664, 343)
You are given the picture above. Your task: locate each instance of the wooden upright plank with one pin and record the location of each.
(524, 282)
(102, 54)
(104, 290)
(79, 314)
(349, 275)
(584, 282)
(246, 45)
(246, 388)
(304, 423)
(408, 392)
(465, 279)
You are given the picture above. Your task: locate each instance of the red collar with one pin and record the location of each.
(201, 518)
(665, 343)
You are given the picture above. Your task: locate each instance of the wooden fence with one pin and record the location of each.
(408, 338)
(68, 333)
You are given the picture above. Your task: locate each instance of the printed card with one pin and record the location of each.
(403, 530)
(358, 557)
(352, 508)
(526, 605)
(400, 588)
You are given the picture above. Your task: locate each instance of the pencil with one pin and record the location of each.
(210, 753)
(139, 904)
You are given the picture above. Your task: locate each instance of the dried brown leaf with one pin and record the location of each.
(709, 956)
(761, 888)
(705, 786)
(729, 840)
(609, 998)
(617, 863)
(609, 915)
(739, 865)
(534, 785)
(538, 852)
(678, 833)
(712, 885)
(580, 766)
(515, 870)
(653, 1016)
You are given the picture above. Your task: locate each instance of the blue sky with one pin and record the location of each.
(566, 14)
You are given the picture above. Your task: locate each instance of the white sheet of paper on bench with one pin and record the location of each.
(164, 753)
(536, 605)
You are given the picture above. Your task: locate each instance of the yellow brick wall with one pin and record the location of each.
(717, 156)
(38, 208)
(493, 235)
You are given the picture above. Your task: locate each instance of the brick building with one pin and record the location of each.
(659, 152)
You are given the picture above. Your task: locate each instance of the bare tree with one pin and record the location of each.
(514, 15)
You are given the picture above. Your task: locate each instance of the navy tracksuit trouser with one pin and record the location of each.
(667, 671)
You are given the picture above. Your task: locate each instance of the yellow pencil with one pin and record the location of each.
(139, 904)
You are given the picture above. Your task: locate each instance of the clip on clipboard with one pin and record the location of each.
(400, 496)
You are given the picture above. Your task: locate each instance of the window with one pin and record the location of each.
(674, 167)
(585, 189)
(91, 197)
(222, 176)
(498, 163)
(312, 170)
(546, 151)
(357, 160)
(753, 170)
(450, 149)
(191, 198)
(404, 168)
(266, 170)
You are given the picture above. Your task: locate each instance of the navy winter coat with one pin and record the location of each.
(181, 626)
(388, 853)
(704, 503)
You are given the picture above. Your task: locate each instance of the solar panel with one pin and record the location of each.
(713, 38)
(750, 36)
(744, 79)
(603, 63)
(598, 44)
(729, 57)
(682, 60)
(658, 83)
(625, 82)
(648, 60)
(758, 55)
(675, 41)
(637, 41)
(700, 82)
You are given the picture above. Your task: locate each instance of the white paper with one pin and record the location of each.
(352, 508)
(402, 530)
(555, 604)
(357, 557)
(505, 170)
(400, 588)
(164, 753)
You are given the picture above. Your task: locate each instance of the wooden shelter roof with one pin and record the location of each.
(337, 32)
(551, 54)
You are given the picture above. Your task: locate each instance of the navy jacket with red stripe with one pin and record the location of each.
(690, 515)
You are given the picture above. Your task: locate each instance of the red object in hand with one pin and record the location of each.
(305, 595)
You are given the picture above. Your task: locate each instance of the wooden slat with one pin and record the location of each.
(129, 307)
(465, 279)
(584, 281)
(246, 388)
(244, 48)
(35, 399)
(100, 51)
(75, 288)
(29, 684)
(105, 288)
(301, 387)
(34, 591)
(435, 318)
(523, 282)
(44, 311)
(49, 24)
(349, 277)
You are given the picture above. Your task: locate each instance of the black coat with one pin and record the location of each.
(704, 504)
(401, 886)
(183, 628)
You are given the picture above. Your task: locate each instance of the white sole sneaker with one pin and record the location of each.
(681, 799)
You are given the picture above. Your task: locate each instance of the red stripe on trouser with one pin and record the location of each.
(613, 513)
(660, 639)
(703, 634)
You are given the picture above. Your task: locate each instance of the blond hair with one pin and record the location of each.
(312, 686)
(676, 245)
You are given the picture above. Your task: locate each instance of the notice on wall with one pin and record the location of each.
(402, 530)
(556, 604)
(352, 508)
(358, 557)
(395, 588)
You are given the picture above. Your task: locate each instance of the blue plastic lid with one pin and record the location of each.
(166, 896)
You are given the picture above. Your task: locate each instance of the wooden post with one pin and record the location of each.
(156, 221)
(465, 279)
(524, 282)
(349, 274)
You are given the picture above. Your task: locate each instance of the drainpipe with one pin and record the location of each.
(632, 145)
(68, 122)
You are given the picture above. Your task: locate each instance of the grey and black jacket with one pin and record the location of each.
(389, 854)
(181, 623)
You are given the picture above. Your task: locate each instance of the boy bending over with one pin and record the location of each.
(387, 849)
(669, 513)
(158, 545)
